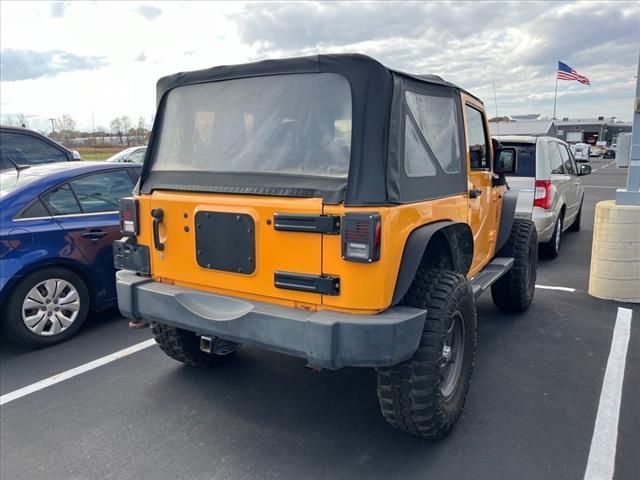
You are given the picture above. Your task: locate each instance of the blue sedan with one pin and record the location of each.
(57, 223)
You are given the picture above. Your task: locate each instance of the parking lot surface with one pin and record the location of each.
(530, 412)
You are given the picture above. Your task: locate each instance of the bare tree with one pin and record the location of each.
(142, 130)
(66, 127)
(21, 119)
(116, 128)
(126, 127)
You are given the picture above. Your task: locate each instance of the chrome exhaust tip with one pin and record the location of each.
(205, 344)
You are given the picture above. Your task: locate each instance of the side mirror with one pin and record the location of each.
(504, 160)
(584, 170)
(76, 155)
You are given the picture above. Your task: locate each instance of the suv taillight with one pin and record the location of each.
(542, 197)
(361, 234)
(129, 216)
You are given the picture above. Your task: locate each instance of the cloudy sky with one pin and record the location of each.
(99, 60)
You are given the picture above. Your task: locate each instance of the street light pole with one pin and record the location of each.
(631, 195)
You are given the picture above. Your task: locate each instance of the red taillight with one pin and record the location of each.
(361, 233)
(542, 196)
(129, 216)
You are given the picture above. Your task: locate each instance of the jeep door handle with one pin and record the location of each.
(158, 215)
(94, 234)
(475, 193)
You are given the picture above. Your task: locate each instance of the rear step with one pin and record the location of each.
(490, 274)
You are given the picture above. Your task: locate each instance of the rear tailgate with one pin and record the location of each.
(525, 186)
(523, 180)
(228, 243)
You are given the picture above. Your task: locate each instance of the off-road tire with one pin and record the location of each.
(575, 226)
(551, 249)
(184, 346)
(410, 393)
(514, 291)
(11, 312)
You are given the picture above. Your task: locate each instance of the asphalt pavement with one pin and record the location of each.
(530, 412)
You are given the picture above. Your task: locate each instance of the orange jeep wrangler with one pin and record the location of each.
(329, 208)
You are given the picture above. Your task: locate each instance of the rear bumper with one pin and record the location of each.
(545, 221)
(326, 339)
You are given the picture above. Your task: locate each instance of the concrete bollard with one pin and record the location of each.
(615, 253)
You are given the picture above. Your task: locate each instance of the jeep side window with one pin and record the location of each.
(436, 119)
(555, 160)
(477, 139)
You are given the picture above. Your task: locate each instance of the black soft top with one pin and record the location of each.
(354, 63)
(372, 88)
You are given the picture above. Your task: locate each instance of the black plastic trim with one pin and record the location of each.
(508, 213)
(322, 284)
(293, 222)
(129, 255)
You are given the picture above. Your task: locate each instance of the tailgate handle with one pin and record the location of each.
(300, 222)
(475, 193)
(158, 215)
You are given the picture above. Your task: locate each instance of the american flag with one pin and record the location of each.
(565, 72)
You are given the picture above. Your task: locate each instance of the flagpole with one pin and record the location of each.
(555, 96)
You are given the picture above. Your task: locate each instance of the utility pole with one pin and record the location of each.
(53, 127)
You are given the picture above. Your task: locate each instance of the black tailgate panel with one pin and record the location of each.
(226, 241)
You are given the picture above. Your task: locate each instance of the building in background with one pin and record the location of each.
(571, 130)
(591, 130)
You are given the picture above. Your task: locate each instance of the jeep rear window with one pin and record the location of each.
(297, 124)
(526, 163)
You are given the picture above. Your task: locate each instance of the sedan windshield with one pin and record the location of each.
(284, 124)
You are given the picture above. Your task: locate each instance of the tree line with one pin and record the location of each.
(122, 131)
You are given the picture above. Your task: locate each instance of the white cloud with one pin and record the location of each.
(475, 45)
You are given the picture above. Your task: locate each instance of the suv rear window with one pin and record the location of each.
(526, 164)
(298, 124)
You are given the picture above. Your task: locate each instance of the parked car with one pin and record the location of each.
(350, 223)
(56, 228)
(547, 177)
(21, 147)
(595, 152)
(581, 152)
(129, 155)
(610, 153)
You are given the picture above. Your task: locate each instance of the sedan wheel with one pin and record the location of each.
(46, 307)
(51, 307)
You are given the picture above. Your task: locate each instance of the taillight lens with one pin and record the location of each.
(542, 196)
(361, 237)
(129, 216)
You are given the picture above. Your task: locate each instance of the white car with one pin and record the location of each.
(129, 155)
(581, 152)
(549, 187)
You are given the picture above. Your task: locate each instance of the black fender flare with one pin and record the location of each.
(413, 253)
(507, 214)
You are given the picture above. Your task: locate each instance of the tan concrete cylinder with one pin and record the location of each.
(615, 254)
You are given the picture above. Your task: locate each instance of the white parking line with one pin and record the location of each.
(61, 377)
(562, 289)
(602, 454)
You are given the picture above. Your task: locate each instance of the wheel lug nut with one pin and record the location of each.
(57, 309)
(48, 301)
(55, 301)
(43, 308)
(48, 314)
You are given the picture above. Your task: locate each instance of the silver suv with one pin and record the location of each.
(550, 191)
